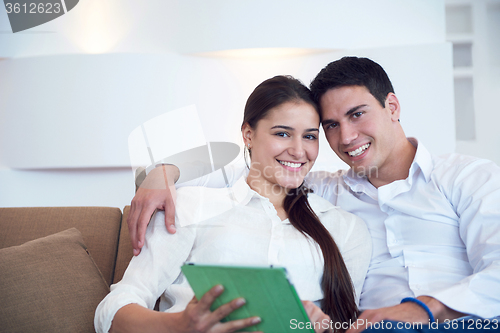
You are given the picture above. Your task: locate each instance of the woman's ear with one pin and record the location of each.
(392, 104)
(247, 133)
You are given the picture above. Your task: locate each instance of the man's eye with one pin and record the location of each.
(357, 114)
(331, 126)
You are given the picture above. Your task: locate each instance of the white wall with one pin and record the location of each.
(65, 115)
(159, 26)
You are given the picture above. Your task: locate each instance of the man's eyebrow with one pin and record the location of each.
(354, 109)
(327, 122)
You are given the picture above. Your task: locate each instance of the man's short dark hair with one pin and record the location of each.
(353, 71)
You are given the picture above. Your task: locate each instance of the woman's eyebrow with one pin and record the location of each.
(288, 128)
(283, 127)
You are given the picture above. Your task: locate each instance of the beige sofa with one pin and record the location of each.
(52, 276)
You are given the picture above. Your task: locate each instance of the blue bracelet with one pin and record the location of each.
(422, 304)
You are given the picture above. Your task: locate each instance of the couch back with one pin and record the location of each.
(104, 231)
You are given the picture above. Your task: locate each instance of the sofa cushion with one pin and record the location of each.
(125, 250)
(50, 284)
(99, 226)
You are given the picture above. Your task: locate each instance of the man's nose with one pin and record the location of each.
(348, 134)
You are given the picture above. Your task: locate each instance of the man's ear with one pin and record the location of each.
(392, 104)
(247, 134)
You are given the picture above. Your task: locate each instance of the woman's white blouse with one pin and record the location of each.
(232, 226)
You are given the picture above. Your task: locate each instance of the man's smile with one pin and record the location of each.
(358, 151)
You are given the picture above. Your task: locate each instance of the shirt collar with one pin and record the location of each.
(243, 194)
(422, 161)
(242, 191)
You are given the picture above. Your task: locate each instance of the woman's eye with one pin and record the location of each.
(310, 137)
(282, 134)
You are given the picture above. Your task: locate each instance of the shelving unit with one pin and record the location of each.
(460, 32)
(473, 27)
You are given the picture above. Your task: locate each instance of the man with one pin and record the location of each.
(434, 221)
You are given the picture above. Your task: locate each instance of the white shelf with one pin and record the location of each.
(465, 38)
(463, 72)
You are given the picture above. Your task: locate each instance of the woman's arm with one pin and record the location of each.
(197, 317)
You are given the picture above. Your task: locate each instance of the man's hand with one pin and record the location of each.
(197, 316)
(317, 316)
(406, 312)
(157, 191)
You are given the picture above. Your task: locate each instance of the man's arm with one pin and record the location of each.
(158, 189)
(473, 189)
(406, 312)
(475, 195)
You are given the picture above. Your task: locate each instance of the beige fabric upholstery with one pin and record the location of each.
(50, 284)
(98, 225)
(125, 251)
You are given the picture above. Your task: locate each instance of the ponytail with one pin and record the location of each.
(338, 292)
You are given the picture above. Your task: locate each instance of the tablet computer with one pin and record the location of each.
(267, 290)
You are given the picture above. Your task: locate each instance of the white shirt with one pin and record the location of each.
(232, 226)
(436, 233)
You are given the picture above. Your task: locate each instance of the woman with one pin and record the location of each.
(266, 218)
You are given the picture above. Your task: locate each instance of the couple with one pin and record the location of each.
(433, 220)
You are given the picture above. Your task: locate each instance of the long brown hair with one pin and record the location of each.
(338, 292)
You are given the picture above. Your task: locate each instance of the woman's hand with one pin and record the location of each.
(320, 321)
(198, 318)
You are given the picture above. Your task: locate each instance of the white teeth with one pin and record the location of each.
(359, 151)
(289, 164)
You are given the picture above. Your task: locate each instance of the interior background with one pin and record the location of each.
(74, 89)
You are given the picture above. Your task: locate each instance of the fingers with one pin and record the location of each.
(235, 325)
(203, 320)
(316, 315)
(142, 208)
(157, 191)
(231, 326)
(224, 310)
(206, 300)
(170, 210)
(308, 306)
(132, 219)
(142, 224)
